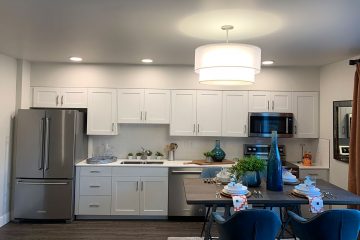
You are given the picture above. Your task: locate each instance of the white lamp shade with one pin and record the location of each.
(227, 63)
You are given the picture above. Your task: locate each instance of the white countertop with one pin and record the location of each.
(167, 164)
(301, 166)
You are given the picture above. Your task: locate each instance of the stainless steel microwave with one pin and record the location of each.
(262, 124)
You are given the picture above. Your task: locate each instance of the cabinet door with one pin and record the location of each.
(209, 113)
(235, 113)
(46, 97)
(73, 98)
(157, 106)
(183, 113)
(281, 102)
(259, 101)
(130, 105)
(125, 198)
(154, 196)
(102, 112)
(306, 113)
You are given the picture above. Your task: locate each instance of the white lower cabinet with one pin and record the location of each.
(122, 191)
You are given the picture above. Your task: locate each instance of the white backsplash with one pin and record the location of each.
(155, 137)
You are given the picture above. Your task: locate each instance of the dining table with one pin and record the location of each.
(207, 193)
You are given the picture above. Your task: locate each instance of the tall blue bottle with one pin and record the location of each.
(274, 169)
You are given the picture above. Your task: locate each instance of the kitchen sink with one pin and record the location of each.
(141, 162)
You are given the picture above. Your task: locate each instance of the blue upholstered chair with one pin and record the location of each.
(253, 224)
(339, 224)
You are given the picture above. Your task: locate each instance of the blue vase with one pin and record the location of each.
(274, 169)
(251, 179)
(219, 154)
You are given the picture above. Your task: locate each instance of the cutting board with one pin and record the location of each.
(203, 162)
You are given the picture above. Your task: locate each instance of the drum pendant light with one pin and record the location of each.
(227, 63)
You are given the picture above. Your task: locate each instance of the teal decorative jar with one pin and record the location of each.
(219, 154)
(274, 169)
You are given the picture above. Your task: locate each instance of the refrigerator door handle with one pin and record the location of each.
(41, 183)
(41, 159)
(47, 139)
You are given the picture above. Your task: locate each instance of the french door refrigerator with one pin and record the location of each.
(48, 143)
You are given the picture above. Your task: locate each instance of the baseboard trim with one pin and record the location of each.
(4, 219)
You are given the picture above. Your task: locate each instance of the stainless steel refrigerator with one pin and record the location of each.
(47, 145)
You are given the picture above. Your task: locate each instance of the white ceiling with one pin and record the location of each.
(125, 31)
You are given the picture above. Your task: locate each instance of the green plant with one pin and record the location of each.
(159, 154)
(247, 164)
(148, 153)
(130, 154)
(208, 154)
(139, 154)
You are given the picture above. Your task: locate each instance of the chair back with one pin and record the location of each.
(253, 224)
(339, 224)
(210, 172)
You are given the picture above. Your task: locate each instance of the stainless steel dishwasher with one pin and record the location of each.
(177, 201)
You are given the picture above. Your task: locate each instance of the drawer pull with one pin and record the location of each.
(94, 171)
(94, 186)
(94, 205)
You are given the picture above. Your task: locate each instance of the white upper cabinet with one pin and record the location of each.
(209, 113)
(281, 102)
(259, 101)
(183, 113)
(102, 114)
(157, 106)
(59, 97)
(235, 114)
(306, 114)
(143, 106)
(130, 105)
(264, 101)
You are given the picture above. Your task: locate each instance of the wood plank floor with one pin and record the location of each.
(104, 230)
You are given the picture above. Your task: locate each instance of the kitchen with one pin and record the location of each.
(123, 113)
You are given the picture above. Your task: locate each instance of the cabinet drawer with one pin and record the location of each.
(319, 173)
(96, 171)
(94, 205)
(95, 186)
(140, 171)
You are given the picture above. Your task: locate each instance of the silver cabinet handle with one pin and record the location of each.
(94, 186)
(94, 171)
(245, 129)
(268, 105)
(62, 100)
(194, 128)
(198, 128)
(142, 185)
(57, 100)
(295, 129)
(145, 115)
(141, 113)
(41, 183)
(113, 127)
(137, 186)
(94, 205)
(273, 105)
(47, 142)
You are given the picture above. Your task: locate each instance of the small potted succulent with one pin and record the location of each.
(148, 154)
(248, 170)
(159, 155)
(208, 156)
(130, 156)
(138, 155)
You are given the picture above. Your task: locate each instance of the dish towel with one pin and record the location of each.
(316, 204)
(240, 202)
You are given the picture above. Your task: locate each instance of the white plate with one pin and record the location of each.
(290, 180)
(304, 189)
(312, 194)
(244, 192)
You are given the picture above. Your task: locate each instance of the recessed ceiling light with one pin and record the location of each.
(75, 59)
(268, 62)
(147, 60)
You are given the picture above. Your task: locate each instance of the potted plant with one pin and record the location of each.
(208, 156)
(159, 155)
(130, 156)
(148, 154)
(138, 155)
(248, 170)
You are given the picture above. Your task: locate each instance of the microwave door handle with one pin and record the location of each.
(287, 125)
